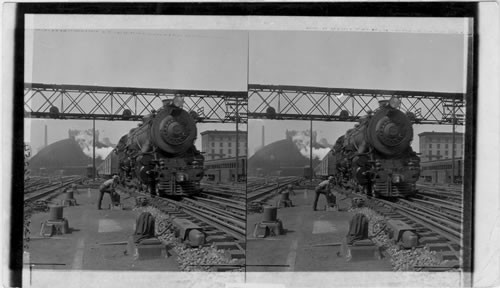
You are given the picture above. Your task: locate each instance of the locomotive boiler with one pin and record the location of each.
(375, 156)
(160, 156)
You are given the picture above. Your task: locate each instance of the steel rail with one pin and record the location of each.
(30, 197)
(223, 226)
(226, 205)
(444, 231)
(217, 210)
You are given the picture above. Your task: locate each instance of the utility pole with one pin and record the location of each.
(237, 140)
(453, 143)
(311, 150)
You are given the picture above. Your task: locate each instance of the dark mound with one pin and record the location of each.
(278, 157)
(61, 154)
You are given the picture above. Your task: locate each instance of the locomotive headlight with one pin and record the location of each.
(395, 102)
(396, 178)
(181, 177)
(178, 101)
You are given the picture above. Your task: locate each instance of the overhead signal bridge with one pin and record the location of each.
(260, 102)
(132, 104)
(338, 104)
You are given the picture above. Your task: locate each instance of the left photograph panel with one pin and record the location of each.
(136, 146)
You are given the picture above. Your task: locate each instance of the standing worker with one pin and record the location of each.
(107, 187)
(325, 189)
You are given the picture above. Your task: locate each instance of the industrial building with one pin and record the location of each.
(217, 144)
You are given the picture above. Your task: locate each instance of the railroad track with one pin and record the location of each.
(258, 192)
(48, 190)
(224, 228)
(453, 193)
(228, 191)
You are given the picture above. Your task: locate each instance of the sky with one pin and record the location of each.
(228, 59)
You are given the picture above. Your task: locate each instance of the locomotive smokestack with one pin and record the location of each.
(383, 103)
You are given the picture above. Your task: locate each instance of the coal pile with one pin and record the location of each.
(281, 157)
(62, 155)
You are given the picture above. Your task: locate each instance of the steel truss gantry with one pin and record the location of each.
(339, 104)
(261, 102)
(122, 103)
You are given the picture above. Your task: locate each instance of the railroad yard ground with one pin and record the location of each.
(82, 248)
(305, 228)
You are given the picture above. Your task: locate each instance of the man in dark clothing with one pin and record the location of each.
(325, 189)
(107, 187)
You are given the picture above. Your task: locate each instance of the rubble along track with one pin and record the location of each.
(224, 229)
(437, 231)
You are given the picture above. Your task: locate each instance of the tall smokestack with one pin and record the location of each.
(263, 142)
(45, 136)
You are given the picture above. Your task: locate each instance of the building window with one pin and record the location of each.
(439, 146)
(213, 144)
(213, 151)
(430, 146)
(229, 144)
(229, 151)
(220, 152)
(446, 152)
(439, 152)
(446, 146)
(221, 144)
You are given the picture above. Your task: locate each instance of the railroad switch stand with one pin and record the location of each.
(284, 200)
(56, 224)
(270, 225)
(68, 200)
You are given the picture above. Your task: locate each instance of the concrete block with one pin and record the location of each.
(217, 238)
(148, 249)
(368, 251)
(430, 240)
(438, 247)
(236, 254)
(225, 245)
(448, 255)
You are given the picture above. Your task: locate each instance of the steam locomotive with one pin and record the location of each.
(160, 156)
(375, 156)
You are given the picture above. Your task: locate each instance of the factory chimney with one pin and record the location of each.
(45, 136)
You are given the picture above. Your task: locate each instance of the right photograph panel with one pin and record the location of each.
(356, 154)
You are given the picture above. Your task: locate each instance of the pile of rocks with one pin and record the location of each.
(189, 259)
(401, 259)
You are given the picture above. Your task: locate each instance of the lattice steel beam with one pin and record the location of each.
(338, 104)
(109, 103)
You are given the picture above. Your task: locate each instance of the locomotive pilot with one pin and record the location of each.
(325, 189)
(107, 187)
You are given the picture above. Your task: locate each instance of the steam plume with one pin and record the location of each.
(301, 139)
(85, 141)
